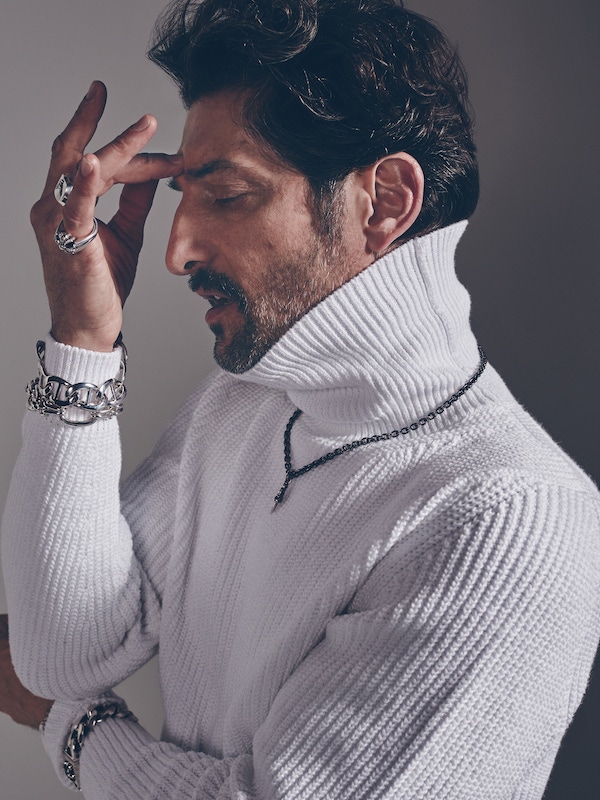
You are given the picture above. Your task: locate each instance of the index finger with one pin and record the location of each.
(149, 166)
(68, 147)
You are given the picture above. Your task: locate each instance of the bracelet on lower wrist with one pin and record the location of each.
(79, 403)
(116, 709)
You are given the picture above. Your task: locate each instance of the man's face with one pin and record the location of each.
(245, 234)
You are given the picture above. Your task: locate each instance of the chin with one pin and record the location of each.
(241, 351)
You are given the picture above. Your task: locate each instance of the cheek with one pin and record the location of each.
(289, 237)
(261, 243)
(288, 224)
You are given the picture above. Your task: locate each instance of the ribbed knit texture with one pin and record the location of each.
(416, 621)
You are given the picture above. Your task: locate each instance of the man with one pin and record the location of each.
(368, 572)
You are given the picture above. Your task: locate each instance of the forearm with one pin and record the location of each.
(73, 583)
(119, 758)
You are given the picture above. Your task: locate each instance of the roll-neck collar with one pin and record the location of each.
(391, 344)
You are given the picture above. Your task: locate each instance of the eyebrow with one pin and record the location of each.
(197, 173)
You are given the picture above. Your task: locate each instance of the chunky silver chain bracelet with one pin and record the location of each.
(48, 394)
(92, 717)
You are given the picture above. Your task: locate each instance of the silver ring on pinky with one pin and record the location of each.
(63, 189)
(69, 244)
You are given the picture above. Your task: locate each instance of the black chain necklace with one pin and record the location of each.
(290, 473)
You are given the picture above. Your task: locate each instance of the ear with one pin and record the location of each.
(396, 185)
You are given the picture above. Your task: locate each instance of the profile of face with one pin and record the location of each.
(246, 235)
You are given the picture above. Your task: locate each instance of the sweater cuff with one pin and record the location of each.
(118, 750)
(75, 365)
(63, 716)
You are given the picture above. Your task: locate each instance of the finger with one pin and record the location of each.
(148, 167)
(78, 213)
(134, 205)
(118, 153)
(68, 147)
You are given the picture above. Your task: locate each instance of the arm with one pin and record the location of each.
(67, 479)
(77, 628)
(452, 675)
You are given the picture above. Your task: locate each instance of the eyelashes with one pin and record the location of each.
(172, 184)
(225, 201)
(220, 201)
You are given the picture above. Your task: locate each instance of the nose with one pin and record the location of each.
(188, 242)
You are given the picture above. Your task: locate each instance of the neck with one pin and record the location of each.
(385, 348)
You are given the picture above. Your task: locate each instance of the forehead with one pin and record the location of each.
(215, 139)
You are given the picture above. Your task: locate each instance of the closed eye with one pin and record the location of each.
(225, 201)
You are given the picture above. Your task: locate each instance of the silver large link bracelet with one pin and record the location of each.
(92, 717)
(48, 394)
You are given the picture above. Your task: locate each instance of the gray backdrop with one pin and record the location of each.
(528, 257)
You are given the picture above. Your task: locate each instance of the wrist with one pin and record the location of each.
(110, 709)
(59, 725)
(41, 725)
(84, 340)
(79, 386)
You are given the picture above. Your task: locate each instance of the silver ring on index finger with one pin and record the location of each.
(63, 189)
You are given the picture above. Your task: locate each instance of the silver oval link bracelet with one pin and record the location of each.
(49, 394)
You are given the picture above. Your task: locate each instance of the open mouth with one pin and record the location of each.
(215, 298)
(222, 293)
(220, 305)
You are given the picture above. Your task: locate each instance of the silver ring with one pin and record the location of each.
(63, 189)
(69, 244)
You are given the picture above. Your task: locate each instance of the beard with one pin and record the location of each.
(288, 291)
(292, 289)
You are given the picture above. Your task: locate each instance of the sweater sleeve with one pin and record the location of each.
(452, 675)
(62, 526)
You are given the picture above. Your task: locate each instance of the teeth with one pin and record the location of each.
(216, 300)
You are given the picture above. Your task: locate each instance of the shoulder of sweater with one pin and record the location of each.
(504, 445)
(481, 524)
(501, 467)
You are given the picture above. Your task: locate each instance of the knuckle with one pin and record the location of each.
(35, 215)
(121, 144)
(42, 213)
(58, 145)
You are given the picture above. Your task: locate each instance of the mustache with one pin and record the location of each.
(210, 280)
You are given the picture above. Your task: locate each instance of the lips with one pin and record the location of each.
(221, 305)
(225, 296)
(215, 298)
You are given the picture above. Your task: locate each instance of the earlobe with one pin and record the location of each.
(396, 185)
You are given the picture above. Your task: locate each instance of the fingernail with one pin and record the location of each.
(91, 92)
(176, 158)
(85, 167)
(142, 124)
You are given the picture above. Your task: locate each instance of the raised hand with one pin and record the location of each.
(86, 290)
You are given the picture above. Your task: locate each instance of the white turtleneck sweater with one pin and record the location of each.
(417, 620)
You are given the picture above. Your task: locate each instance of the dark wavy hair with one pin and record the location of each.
(334, 86)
